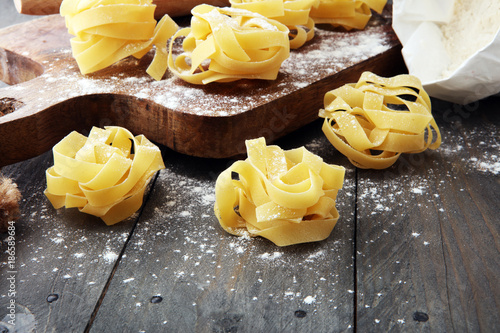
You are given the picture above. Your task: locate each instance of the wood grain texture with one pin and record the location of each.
(416, 249)
(206, 121)
(172, 8)
(211, 281)
(428, 243)
(63, 254)
(37, 7)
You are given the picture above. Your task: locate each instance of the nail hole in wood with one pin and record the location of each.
(300, 313)
(420, 316)
(52, 298)
(156, 299)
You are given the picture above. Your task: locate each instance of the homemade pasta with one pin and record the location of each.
(228, 44)
(107, 31)
(350, 14)
(292, 13)
(375, 120)
(287, 197)
(104, 174)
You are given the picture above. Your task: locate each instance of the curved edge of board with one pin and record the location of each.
(27, 133)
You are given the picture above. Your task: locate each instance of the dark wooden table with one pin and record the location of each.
(416, 249)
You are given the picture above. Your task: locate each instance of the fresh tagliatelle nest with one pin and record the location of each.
(107, 31)
(300, 16)
(349, 14)
(103, 175)
(294, 14)
(375, 120)
(287, 197)
(228, 44)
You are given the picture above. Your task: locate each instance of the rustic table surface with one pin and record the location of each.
(416, 248)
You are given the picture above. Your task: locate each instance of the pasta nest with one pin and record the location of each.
(293, 13)
(376, 119)
(287, 197)
(103, 175)
(350, 14)
(227, 44)
(107, 31)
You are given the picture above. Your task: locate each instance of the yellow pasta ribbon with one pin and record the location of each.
(376, 119)
(107, 31)
(292, 13)
(104, 174)
(350, 14)
(287, 197)
(228, 44)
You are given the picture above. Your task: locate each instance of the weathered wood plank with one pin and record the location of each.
(63, 253)
(428, 244)
(211, 281)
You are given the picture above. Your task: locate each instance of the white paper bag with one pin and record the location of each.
(417, 25)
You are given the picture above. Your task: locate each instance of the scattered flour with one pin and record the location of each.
(417, 190)
(271, 256)
(110, 256)
(492, 167)
(310, 299)
(57, 240)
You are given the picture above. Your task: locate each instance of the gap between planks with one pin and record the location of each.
(118, 260)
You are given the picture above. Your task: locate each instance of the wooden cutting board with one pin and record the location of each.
(48, 97)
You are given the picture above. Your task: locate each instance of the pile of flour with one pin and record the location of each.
(473, 25)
